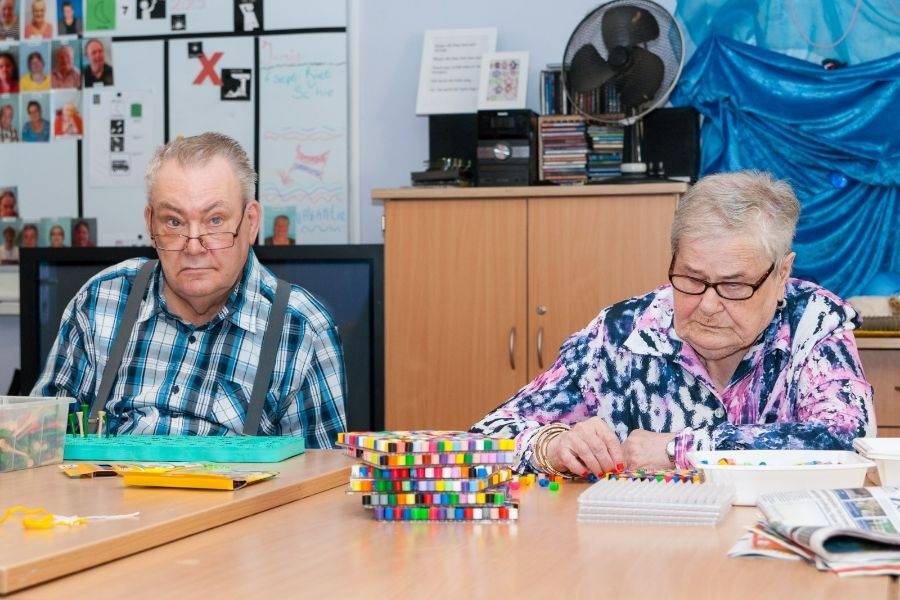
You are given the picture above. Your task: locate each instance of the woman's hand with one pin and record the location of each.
(647, 449)
(589, 447)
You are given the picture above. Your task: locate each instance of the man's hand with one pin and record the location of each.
(589, 447)
(647, 449)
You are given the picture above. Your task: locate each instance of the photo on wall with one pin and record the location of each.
(35, 109)
(67, 121)
(34, 59)
(279, 225)
(84, 233)
(65, 73)
(9, 70)
(97, 58)
(69, 17)
(55, 232)
(9, 119)
(29, 234)
(9, 250)
(9, 202)
(10, 25)
(38, 18)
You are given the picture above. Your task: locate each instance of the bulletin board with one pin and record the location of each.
(270, 73)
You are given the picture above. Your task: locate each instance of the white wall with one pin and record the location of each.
(391, 140)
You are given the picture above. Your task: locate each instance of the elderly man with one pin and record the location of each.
(64, 74)
(96, 71)
(733, 354)
(9, 20)
(213, 343)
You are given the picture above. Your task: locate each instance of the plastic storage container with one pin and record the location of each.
(885, 452)
(783, 471)
(32, 431)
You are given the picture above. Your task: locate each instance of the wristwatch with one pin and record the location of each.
(670, 451)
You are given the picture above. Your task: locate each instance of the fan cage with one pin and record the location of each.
(669, 46)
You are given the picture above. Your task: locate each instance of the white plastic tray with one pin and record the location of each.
(784, 471)
(885, 452)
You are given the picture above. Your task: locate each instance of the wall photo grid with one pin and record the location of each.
(90, 88)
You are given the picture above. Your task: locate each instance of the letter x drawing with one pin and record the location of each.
(208, 69)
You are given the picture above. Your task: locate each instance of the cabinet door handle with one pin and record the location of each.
(540, 347)
(512, 348)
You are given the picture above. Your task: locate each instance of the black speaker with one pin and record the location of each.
(453, 136)
(672, 138)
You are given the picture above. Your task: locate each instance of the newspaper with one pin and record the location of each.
(849, 531)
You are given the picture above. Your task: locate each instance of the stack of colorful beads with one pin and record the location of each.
(432, 475)
(666, 475)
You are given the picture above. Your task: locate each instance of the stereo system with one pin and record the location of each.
(507, 148)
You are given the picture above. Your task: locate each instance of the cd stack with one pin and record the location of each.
(432, 475)
(563, 149)
(605, 158)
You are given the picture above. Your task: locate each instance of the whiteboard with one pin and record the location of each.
(200, 16)
(300, 14)
(45, 174)
(303, 132)
(119, 210)
(195, 108)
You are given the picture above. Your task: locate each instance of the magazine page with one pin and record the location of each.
(847, 525)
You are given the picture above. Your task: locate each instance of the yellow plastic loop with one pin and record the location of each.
(24, 510)
(39, 518)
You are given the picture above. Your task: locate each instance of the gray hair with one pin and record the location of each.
(199, 150)
(744, 202)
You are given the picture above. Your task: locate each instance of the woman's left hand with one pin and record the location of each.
(646, 449)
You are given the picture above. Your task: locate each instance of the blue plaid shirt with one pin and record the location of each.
(177, 378)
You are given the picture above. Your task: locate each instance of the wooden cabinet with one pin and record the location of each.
(881, 363)
(482, 285)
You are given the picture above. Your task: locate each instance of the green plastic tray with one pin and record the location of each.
(183, 448)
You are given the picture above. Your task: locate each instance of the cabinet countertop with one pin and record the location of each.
(535, 191)
(878, 343)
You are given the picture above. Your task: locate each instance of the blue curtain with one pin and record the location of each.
(853, 31)
(834, 135)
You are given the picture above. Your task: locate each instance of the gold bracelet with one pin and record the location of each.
(541, 445)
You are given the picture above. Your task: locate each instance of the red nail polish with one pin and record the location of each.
(620, 467)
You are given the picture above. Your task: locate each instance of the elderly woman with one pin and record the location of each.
(38, 27)
(68, 121)
(734, 354)
(36, 80)
(8, 130)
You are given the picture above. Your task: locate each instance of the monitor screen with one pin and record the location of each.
(347, 279)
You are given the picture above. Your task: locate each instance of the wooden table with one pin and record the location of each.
(30, 557)
(327, 546)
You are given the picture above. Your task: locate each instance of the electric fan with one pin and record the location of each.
(621, 62)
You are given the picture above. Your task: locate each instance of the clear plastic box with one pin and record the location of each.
(783, 471)
(32, 431)
(886, 454)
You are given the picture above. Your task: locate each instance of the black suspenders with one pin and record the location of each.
(264, 368)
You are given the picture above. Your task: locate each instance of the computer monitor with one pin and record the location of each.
(348, 279)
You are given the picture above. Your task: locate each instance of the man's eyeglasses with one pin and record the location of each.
(730, 290)
(176, 242)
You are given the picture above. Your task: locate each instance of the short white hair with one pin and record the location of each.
(750, 203)
(199, 150)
